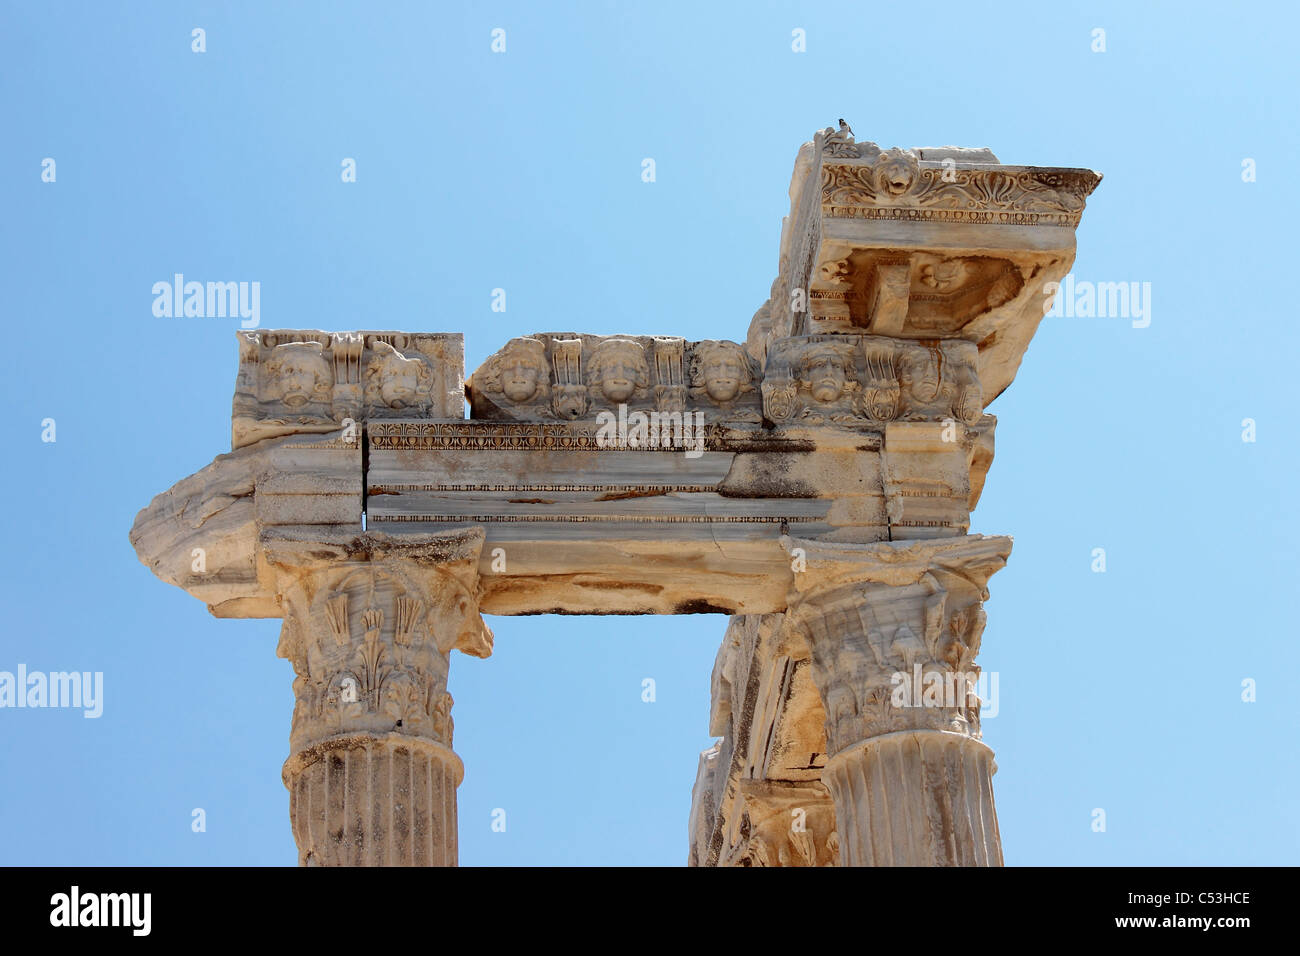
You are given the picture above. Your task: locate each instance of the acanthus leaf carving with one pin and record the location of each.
(896, 650)
(369, 632)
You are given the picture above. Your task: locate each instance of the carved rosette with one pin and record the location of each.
(369, 622)
(894, 629)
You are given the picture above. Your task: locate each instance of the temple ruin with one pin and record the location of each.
(814, 482)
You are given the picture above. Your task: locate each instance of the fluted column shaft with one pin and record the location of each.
(374, 800)
(916, 798)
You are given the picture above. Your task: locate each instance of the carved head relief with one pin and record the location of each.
(919, 372)
(518, 370)
(297, 374)
(722, 369)
(895, 171)
(825, 370)
(617, 367)
(400, 381)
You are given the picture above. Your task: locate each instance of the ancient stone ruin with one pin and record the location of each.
(814, 481)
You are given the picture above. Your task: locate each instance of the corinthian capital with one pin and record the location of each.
(369, 621)
(894, 628)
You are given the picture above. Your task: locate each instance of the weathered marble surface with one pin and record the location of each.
(815, 482)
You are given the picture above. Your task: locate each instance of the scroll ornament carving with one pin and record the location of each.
(896, 177)
(854, 380)
(864, 175)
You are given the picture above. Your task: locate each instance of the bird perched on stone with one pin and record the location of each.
(845, 128)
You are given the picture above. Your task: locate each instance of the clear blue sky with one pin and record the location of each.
(522, 170)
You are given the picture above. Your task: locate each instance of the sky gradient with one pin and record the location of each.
(522, 170)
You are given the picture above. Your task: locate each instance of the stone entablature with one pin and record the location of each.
(815, 483)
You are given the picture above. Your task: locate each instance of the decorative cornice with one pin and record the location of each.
(978, 195)
(864, 181)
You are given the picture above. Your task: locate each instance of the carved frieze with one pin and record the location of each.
(571, 377)
(867, 379)
(863, 180)
(314, 382)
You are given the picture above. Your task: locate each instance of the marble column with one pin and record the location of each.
(369, 624)
(894, 629)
